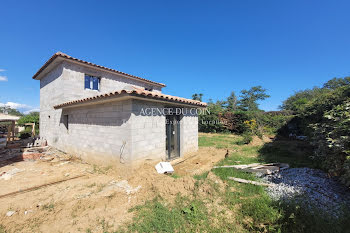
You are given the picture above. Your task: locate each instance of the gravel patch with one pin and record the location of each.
(311, 188)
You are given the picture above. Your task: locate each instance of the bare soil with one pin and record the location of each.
(101, 197)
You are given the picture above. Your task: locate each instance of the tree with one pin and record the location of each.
(337, 82)
(249, 98)
(197, 96)
(10, 111)
(232, 102)
(32, 117)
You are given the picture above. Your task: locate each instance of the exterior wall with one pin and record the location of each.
(107, 133)
(148, 132)
(65, 83)
(189, 132)
(51, 93)
(98, 133)
(73, 76)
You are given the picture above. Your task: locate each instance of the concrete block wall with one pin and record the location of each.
(51, 94)
(189, 131)
(98, 133)
(148, 132)
(74, 76)
(101, 133)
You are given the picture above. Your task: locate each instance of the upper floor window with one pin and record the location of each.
(92, 82)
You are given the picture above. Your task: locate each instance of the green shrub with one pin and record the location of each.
(246, 139)
(26, 133)
(325, 119)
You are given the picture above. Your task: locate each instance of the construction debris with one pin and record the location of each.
(164, 168)
(8, 175)
(257, 168)
(10, 213)
(124, 185)
(250, 182)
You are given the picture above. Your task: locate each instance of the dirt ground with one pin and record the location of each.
(102, 196)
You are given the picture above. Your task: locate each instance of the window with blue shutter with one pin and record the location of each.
(87, 82)
(92, 83)
(95, 83)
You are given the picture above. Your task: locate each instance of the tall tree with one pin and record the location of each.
(337, 82)
(249, 98)
(197, 96)
(232, 102)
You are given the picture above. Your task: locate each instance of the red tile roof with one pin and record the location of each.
(134, 92)
(63, 55)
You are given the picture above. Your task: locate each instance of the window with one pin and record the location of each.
(92, 83)
(65, 121)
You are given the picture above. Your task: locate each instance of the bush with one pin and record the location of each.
(234, 121)
(32, 117)
(325, 119)
(26, 133)
(246, 139)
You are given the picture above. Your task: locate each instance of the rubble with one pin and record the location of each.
(257, 168)
(124, 186)
(311, 188)
(10, 213)
(8, 175)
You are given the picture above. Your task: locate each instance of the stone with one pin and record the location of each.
(10, 213)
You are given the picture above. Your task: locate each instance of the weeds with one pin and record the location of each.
(49, 207)
(253, 210)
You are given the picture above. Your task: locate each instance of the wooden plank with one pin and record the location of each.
(13, 130)
(250, 182)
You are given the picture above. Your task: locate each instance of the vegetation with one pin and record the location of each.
(247, 207)
(10, 111)
(235, 114)
(323, 115)
(32, 117)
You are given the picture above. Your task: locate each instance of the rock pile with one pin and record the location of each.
(312, 188)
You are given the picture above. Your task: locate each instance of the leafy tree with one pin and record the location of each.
(210, 122)
(197, 96)
(337, 82)
(249, 98)
(32, 117)
(298, 101)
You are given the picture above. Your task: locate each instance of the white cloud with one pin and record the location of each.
(3, 79)
(32, 110)
(2, 70)
(20, 107)
(15, 105)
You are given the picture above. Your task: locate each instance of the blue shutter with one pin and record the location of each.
(87, 82)
(95, 82)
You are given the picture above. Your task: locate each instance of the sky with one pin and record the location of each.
(209, 47)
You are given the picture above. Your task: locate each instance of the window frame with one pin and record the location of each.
(91, 82)
(66, 121)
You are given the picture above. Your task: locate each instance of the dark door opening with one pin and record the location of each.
(172, 136)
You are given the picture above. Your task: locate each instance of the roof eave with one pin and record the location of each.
(125, 96)
(57, 57)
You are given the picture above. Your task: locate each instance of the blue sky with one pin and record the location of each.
(209, 47)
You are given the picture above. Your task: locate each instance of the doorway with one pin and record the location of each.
(172, 136)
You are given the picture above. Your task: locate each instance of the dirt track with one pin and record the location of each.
(102, 196)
